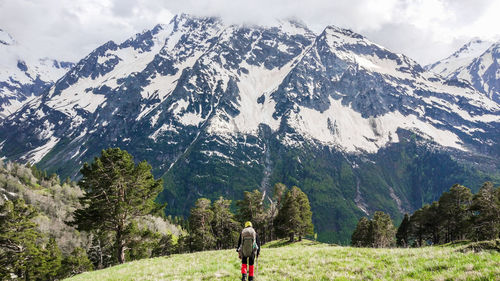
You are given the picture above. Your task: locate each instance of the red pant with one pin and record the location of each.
(250, 260)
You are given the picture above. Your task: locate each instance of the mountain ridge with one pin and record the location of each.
(477, 62)
(219, 109)
(23, 76)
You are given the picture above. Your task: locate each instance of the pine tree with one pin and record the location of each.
(454, 212)
(362, 235)
(142, 241)
(486, 213)
(165, 246)
(403, 234)
(433, 223)
(251, 209)
(100, 252)
(289, 220)
(383, 230)
(419, 231)
(75, 263)
(53, 258)
(182, 245)
(224, 226)
(19, 253)
(306, 226)
(117, 192)
(200, 223)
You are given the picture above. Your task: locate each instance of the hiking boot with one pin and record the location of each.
(244, 277)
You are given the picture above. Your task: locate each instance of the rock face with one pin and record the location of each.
(218, 109)
(477, 62)
(22, 76)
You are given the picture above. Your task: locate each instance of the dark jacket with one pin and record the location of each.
(256, 241)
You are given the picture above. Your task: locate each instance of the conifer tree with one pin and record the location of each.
(100, 252)
(403, 234)
(418, 222)
(294, 217)
(458, 215)
(200, 224)
(306, 226)
(75, 263)
(19, 253)
(165, 246)
(362, 235)
(383, 230)
(224, 226)
(117, 192)
(53, 259)
(378, 232)
(288, 220)
(433, 223)
(454, 212)
(486, 209)
(251, 208)
(182, 244)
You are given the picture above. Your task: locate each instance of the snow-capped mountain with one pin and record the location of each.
(217, 109)
(461, 58)
(22, 75)
(477, 62)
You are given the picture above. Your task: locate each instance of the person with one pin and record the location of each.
(248, 249)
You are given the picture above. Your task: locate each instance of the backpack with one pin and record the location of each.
(248, 242)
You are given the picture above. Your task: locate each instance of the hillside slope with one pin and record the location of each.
(308, 260)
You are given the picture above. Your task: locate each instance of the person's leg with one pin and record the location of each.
(251, 267)
(244, 261)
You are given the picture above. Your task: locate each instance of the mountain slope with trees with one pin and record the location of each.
(220, 109)
(38, 243)
(458, 215)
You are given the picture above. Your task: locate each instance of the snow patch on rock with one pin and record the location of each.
(344, 127)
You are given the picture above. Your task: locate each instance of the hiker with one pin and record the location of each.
(248, 249)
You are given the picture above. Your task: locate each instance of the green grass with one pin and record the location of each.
(308, 260)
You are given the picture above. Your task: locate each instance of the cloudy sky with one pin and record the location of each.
(426, 30)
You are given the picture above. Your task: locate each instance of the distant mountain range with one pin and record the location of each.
(22, 75)
(217, 109)
(477, 62)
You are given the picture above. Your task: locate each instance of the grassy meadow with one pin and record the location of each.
(308, 260)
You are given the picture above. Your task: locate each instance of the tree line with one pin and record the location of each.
(117, 199)
(457, 215)
(213, 225)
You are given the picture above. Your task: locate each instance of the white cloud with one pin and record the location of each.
(70, 29)
(426, 30)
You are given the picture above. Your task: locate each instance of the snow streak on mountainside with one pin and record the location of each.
(22, 76)
(477, 62)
